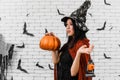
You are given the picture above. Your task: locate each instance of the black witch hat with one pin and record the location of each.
(79, 16)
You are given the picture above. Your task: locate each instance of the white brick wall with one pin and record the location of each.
(41, 14)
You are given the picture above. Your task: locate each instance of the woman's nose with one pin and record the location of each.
(68, 26)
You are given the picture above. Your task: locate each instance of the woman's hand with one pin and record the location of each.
(76, 62)
(85, 49)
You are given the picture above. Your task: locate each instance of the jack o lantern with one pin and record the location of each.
(49, 42)
(90, 67)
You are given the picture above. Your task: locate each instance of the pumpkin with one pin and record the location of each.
(50, 42)
(90, 67)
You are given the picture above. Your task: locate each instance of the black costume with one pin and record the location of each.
(64, 66)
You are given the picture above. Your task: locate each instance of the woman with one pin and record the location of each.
(71, 60)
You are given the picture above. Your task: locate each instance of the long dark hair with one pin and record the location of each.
(78, 34)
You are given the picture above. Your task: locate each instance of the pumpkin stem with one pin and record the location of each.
(46, 31)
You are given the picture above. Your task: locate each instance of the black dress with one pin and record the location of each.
(64, 66)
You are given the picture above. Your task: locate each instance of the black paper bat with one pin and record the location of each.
(60, 12)
(39, 65)
(25, 30)
(50, 67)
(46, 31)
(0, 60)
(20, 68)
(99, 29)
(23, 46)
(106, 2)
(106, 56)
(19, 64)
(111, 28)
(27, 14)
(90, 14)
(119, 45)
(5, 61)
(10, 52)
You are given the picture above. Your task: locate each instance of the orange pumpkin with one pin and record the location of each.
(49, 42)
(90, 67)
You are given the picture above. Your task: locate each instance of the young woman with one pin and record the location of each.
(71, 60)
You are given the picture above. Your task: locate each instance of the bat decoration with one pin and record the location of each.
(10, 52)
(60, 13)
(0, 60)
(46, 31)
(23, 46)
(27, 14)
(106, 2)
(25, 25)
(5, 62)
(106, 56)
(90, 14)
(39, 65)
(111, 28)
(25, 30)
(103, 28)
(20, 68)
(50, 67)
(19, 64)
(119, 45)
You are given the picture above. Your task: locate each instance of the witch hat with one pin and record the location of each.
(79, 16)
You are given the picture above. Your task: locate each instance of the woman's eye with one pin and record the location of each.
(68, 24)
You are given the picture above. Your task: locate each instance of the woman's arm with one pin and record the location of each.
(55, 57)
(76, 63)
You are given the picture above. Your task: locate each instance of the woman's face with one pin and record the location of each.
(69, 28)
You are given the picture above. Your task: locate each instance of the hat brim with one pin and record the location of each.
(64, 19)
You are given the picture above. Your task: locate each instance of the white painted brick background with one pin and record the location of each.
(43, 14)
